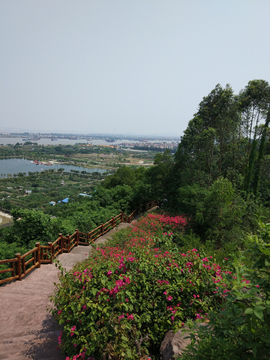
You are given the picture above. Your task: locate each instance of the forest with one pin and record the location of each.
(207, 248)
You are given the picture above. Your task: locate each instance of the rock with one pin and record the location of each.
(174, 343)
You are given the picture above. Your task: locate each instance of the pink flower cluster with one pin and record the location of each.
(129, 316)
(60, 338)
(123, 260)
(86, 275)
(72, 330)
(176, 221)
(161, 282)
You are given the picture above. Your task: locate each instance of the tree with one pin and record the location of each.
(206, 150)
(157, 176)
(260, 155)
(254, 102)
(31, 225)
(123, 176)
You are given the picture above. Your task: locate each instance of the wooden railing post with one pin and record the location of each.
(51, 251)
(77, 237)
(121, 217)
(13, 269)
(19, 266)
(113, 222)
(23, 266)
(101, 229)
(68, 242)
(61, 243)
(38, 254)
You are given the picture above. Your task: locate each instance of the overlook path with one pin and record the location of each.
(27, 329)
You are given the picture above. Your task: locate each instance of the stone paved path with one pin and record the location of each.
(27, 329)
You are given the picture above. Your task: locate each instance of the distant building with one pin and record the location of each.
(64, 201)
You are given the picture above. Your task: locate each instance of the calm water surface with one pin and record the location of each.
(15, 166)
(42, 141)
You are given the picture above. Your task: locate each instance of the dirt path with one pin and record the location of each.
(27, 329)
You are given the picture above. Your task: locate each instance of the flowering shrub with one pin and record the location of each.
(241, 327)
(121, 301)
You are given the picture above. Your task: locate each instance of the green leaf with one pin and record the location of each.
(259, 314)
(249, 311)
(259, 308)
(129, 353)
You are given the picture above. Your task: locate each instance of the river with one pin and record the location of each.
(15, 166)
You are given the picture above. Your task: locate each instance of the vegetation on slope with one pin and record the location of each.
(220, 179)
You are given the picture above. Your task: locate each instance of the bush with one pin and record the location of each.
(122, 300)
(241, 329)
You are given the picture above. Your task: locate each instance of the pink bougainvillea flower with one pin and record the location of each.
(169, 298)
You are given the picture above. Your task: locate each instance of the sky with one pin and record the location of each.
(131, 67)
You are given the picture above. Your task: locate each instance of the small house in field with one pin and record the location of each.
(64, 201)
(28, 192)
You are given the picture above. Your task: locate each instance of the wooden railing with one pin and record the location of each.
(21, 265)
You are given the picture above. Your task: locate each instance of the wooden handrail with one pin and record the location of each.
(62, 243)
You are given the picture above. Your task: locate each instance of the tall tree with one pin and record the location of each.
(254, 103)
(206, 149)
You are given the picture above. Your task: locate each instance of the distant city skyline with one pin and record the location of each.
(124, 67)
(9, 131)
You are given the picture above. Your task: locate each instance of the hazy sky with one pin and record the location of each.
(124, 66)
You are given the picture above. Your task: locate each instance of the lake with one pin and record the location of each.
(15, 166)
(44, 141)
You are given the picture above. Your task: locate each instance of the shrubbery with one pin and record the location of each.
(241, 329)
(122, 299)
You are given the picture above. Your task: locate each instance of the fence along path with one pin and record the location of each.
(27, 330)
(22, 265)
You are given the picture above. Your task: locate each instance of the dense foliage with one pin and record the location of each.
(83, 213)
(122, 300)
(241, 328)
